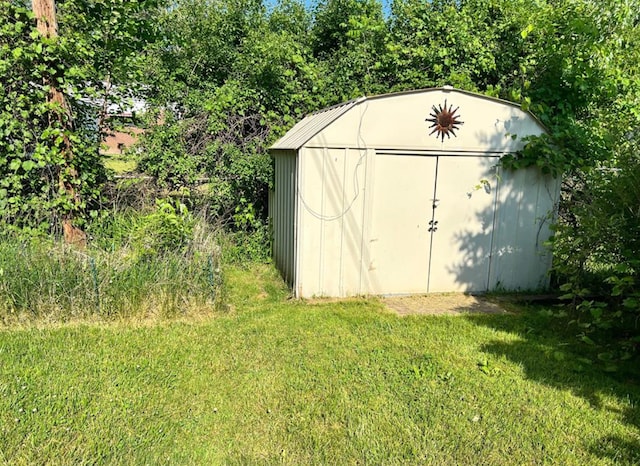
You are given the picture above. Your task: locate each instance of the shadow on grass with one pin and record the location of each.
(549, 354)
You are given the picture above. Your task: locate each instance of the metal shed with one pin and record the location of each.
(402, 193)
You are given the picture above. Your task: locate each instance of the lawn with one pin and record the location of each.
(273, 380)
(119, 164)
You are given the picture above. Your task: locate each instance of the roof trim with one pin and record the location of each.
(315, 122)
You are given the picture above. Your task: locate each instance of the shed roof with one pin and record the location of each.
(312, 124)
(303, 131)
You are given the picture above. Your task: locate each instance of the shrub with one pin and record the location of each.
(597, 249)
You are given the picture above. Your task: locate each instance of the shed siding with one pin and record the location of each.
(461, 245)
(399, 122)
(331, 211)
(526, 209)
(354, 190)
(283, 214)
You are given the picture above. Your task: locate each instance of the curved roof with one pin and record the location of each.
(398, 120)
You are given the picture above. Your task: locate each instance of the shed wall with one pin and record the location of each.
(364, 224)
(399, 122)
(283, 210)
(332, 203)
(526, 201)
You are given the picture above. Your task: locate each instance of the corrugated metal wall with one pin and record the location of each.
(364, 224)
(331, 219)
(283, 214)
(526, 210)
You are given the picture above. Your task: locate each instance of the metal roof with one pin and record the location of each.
(312, 124)
(315, 122)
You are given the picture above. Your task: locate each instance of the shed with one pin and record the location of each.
(403, 194)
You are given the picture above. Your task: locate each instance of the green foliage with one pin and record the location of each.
(166, 230)
(250, 241)
(446, 42)
(598, 253)
(49, 160)
(34, 163)
(160, 265)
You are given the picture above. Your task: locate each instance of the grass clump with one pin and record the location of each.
(161, 263)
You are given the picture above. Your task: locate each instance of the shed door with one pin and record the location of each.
(432, 223)
(460, 256)
(403, 189)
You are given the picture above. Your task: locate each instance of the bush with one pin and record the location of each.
(168, 229)
(597, 250)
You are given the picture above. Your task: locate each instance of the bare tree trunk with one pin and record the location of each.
(47, 24)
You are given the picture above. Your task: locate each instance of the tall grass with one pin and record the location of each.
(162, 263)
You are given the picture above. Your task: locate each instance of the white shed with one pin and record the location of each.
(402, 193)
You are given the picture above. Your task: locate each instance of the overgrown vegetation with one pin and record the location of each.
(157, 263)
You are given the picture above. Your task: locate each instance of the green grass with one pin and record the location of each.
(135, 266)
(119, 164)
(275, 381)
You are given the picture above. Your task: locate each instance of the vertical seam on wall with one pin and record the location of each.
(433, 216)
(344, 181)
(493, 226)
(320, 249)
(362, 223)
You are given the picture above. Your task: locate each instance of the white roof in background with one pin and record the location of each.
(128, 107)
(310, 126)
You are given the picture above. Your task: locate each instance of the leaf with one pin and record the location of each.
(606, 356)
(15, 164)
(28, 165)
(596, 312)
(526, 31)
(587, 340)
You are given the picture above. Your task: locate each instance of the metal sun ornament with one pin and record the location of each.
(444, 121)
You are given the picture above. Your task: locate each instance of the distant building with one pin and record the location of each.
(115, 142)
(124, 120)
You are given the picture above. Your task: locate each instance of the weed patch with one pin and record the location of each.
(158, 265)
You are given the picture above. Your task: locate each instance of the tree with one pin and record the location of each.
(50, 170)
(227, 78)
(47, 26)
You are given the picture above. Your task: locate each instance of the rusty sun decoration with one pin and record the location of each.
(444, 121)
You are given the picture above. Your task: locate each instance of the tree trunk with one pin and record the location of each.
(47, 24)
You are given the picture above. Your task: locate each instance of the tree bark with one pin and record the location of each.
(47, 25)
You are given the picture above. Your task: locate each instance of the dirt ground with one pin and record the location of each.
(442, 303)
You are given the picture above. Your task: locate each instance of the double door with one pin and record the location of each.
(432, 223)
